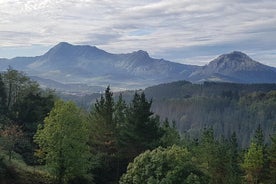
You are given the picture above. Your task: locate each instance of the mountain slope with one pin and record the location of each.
(68, 63)
(235, 67)
(226, 107)
(84, 66)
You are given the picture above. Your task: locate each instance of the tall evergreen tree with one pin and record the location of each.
(103, 125)
(170, 134)
(105, 122)
(259, 136)
(259, 141)
(120, 112)
(142, 131)
(235, 170)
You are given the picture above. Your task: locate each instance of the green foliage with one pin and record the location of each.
(17, 85)
(272, 158)
(226, 107)
(10, 135)
(104, 120)
(253, 163)
(142, 131)
(170, 134)
(103, 127)
(163, 165)
(63, 142)
(25, 104)
(3, 98)
(119, 132)
(217, 158)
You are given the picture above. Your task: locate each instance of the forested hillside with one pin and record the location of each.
(226, 107)
(120, 140)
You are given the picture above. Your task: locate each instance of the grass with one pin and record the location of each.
(18, 172)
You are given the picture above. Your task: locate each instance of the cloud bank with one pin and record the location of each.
(185, 31)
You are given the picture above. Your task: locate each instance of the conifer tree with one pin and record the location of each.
(259, 141)
(142, 131)
(103, 125)
(235, 170)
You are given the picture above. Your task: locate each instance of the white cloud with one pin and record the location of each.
(156, 26)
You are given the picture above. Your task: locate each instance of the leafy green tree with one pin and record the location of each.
(17, 85)
(25, 104)
(63, 142)
(10, 135)
(31, 111)
(253, 163)
(165, 166)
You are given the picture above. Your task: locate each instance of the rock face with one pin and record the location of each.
(84, 65)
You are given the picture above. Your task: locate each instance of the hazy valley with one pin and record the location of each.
(87, 69)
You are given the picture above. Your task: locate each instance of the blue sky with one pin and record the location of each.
(186, 31)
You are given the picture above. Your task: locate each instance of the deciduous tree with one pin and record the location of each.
(164, 165)
(253, 163)
(63, 142)
(10, 135)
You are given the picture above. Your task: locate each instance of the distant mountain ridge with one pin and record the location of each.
(235, 67)
(87, 66)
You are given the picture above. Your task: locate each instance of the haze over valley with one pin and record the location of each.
(87, 69)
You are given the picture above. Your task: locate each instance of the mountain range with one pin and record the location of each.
(84, 69)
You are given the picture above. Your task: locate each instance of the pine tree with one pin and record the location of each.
(259, 137)
(142, 131)
(103, 126)
(235, 170)
(106, 119)
(170, 134)
(259, 141)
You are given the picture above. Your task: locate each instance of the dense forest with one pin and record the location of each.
(225, 107)
(120, 140)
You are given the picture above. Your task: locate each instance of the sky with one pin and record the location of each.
(185, 31)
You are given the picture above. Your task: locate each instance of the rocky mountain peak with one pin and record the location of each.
(235, 60)
(65, 49)
(141, 54)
